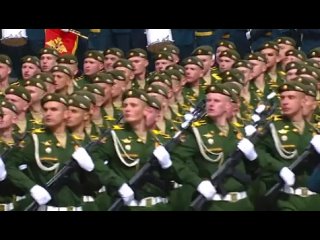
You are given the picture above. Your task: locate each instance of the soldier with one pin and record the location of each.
(204, 148)
(30, 67)
(139, 59)
(93, 63)
(285, 44)
(44, 153)
(288, 137)
(8, 142)
(271, 51)
(48, 80)
(48, 59)
(37, 90)
(165, 125)
(162, 61)
(192, 90)
(174, 51)
(5, 70)
(111, 55)
(293, 56)
(63, 80)
(205, 54)
(21, 98)
(128, 150)
(126, 67)
(70, 61)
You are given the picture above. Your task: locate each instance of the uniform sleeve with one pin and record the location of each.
(182, 159)
(18, 161)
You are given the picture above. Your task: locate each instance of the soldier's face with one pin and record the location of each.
(152, 116)
(217, 105)
(21, 104)
(36, 93)
(283, 48)
(309, 106)
(207, 62)
(133, 110)
(193, 73)
(225, 64)
(55, 114)
(76, 116)
(91, 66)
(271, 55)
(292, 103)
(5, 70)
(29, 70)
(109, 60)
(9, 118)
(47, 61)
(291, 74)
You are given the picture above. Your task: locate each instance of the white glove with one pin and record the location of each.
(126, 193)
(249, 130)
(315, 141)
(287, 176)
(65, 30)
(163, 157)
(247, 148)
(3, 172)
(207, 189)
(83, 159)
(40, 194)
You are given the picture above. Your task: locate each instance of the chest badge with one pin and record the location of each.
(210, 141)
(48, 150)
(127, 147)
(284, 138)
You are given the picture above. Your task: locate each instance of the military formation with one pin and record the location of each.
(222, 123)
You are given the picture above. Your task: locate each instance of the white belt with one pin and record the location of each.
(87, 199)
(230, 197)
(147, 202)
(301, 191)
(71, 208)
(6, 207)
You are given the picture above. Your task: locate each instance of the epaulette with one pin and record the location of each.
(17, 83)
(160, 133)
(117, 127)
(277, 117)
(109, 118)
(38, 130)
(198, 123)
(76, 137)
(78, 78)
(216, 76)
(237, 124)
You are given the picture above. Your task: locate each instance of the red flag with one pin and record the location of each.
(63, 42)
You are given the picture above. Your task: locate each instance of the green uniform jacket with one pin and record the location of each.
(49, 152)
(289, 140)
(134, 155)
(192, 167)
